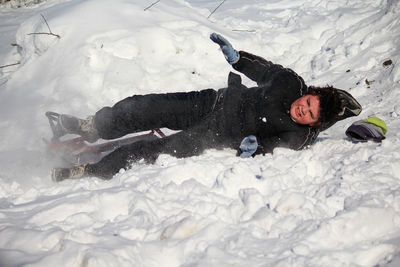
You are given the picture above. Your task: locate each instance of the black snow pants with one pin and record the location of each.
(192, 113)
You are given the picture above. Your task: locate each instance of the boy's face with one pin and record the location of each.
(306, 110)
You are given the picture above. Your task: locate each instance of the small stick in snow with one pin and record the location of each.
(150, 6)
(47, 33)
(216, 9)
(236, 30)
(9, 65)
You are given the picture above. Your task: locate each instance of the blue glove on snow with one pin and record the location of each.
(248, 146)
(231, 55)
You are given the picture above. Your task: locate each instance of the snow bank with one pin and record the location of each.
(334, 204)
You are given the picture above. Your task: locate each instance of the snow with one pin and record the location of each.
(334, 204)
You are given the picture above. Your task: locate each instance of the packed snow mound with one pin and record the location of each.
(336, 203)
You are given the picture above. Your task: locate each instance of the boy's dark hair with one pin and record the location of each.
(335, 105)
(329, 102)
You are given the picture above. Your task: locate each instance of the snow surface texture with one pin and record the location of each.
(334, 204)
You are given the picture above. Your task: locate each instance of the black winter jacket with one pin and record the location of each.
(263, 111)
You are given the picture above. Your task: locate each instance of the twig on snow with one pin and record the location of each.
(236, 30)
(216, 9)
(9, 65)
(47, 33)
(150, 6)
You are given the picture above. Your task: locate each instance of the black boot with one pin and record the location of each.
(76, 172)
(73, 125)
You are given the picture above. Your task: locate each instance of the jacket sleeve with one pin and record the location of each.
(260, 70)
(290, 140)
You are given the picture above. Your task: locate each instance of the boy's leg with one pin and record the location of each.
(176, 111)
(182, 144)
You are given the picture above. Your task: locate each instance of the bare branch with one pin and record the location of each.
(46, 22)
(237, 30)
(216, 9)
(46, 33)
(150, 6)
(9, 65)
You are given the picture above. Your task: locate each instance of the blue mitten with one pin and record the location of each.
(231, 55)
(248, 146)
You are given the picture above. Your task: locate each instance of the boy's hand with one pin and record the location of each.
(231, 55)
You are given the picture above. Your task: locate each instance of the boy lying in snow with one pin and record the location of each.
(281, 111)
